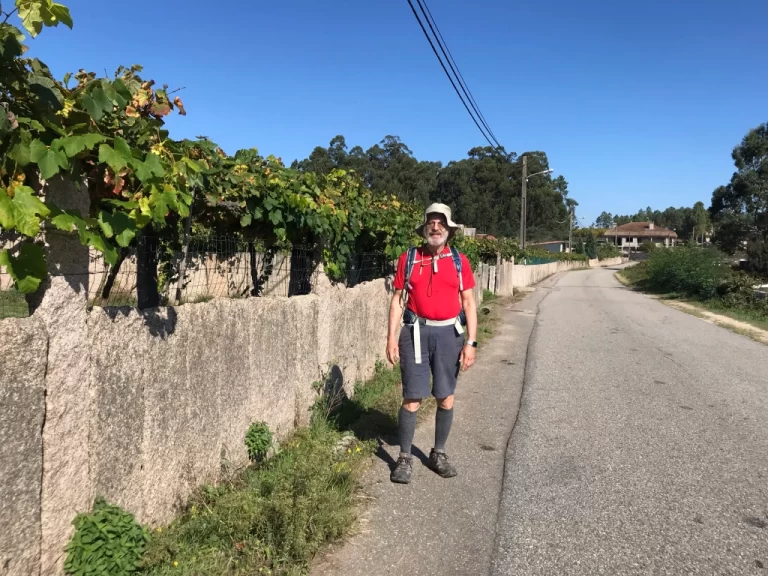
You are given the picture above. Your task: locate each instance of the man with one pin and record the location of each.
(435, 283)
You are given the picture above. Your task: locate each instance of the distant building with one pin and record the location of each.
(632, 235)
(551, 245)
(467, 232)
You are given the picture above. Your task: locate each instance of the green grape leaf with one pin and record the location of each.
(109, 156)
(27, 209)
(28, 269)
(117, 225)
(7, 220)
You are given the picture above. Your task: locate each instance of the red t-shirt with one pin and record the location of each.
(434, 296)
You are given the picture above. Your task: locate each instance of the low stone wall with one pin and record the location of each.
(164, 400)
(523, 276)
(22, 405)
(608, 262)
(507, 276)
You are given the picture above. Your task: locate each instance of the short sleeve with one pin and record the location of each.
(400, 274)
(467, 277)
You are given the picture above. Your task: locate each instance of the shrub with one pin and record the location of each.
(108, 540)
(467, 246)
(258, 440)
(737, 290)
(541, 254)
(590, 248)
(647, 247)
(606, 251)
(757, 254)
(696, 272)
(479, 250)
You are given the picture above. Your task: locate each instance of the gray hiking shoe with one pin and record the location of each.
(438, 462)
(402, 472)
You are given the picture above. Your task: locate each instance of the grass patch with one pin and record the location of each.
(273, 517)
(13, 304)
(637, 277)
(372, 411)
(749, 316)
(488, 296)
(488, 318)
(269, 519)
(634, 276)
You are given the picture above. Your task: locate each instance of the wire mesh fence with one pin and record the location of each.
(156, 272)
(12, 303)
(368, 266)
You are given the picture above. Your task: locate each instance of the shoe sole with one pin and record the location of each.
(399, 481)
(442, 475)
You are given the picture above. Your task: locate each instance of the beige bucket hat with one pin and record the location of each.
(438, 208)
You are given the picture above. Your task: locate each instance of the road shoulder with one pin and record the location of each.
(737, 326)
(438, 526)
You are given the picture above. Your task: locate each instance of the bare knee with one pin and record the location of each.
(445, 403)
(411, 404)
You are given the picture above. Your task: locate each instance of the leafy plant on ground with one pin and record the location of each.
(107, 540)
(271, 519)
(258, 440)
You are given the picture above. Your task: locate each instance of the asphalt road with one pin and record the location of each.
(641, 445)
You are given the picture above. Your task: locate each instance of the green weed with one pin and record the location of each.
(258, 440)
(107, 540)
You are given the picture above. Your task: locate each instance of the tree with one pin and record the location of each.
(739, 209)
(700, 220)
(483, 189)
(590, 248)
(605, 220)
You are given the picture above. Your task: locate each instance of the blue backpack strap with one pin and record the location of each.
(410, 260)
(457, 263)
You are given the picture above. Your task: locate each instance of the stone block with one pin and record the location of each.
(23, 350)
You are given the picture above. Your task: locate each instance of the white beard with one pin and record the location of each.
(436, 241)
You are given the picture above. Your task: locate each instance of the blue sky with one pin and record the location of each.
(636, 104)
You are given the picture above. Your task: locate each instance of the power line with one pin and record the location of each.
(426, 35)
(454, 67)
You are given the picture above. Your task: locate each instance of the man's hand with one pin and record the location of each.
(467, 357)
(393, 351)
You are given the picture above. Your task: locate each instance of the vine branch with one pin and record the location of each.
(9, 14)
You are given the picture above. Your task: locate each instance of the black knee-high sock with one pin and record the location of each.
(443, 422)
(406, 429)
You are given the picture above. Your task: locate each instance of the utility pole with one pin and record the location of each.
(523, 210)
(570, 230)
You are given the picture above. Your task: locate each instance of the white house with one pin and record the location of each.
(632, 235)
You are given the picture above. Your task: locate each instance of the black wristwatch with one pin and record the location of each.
(472, 343)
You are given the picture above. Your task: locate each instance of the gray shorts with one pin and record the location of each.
(440, 350)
